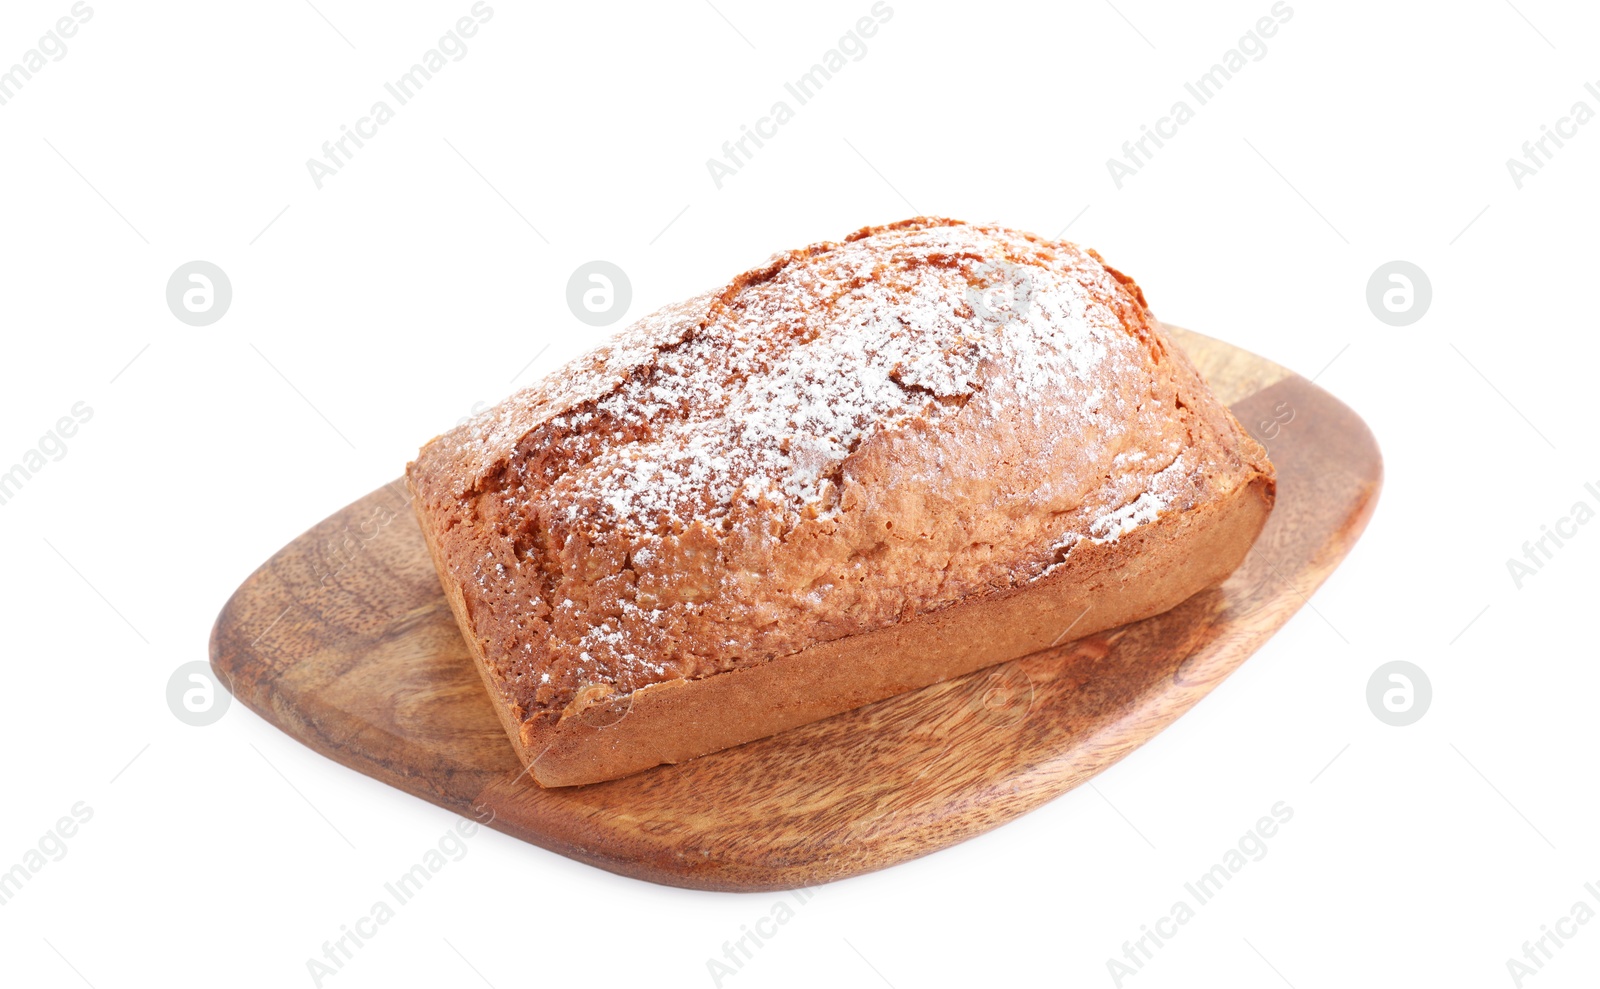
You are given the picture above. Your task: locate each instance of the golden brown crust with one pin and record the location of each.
(752, 508)
(1158, 566)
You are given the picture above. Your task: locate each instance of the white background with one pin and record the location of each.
(428, 272)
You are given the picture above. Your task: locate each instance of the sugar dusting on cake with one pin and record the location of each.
(1113, 525)
(866, 343)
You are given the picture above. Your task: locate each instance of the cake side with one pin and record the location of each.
(844, 439)
(1151, 570)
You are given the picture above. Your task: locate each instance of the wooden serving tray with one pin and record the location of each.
(344, 641)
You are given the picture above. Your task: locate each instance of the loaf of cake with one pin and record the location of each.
(857, 469)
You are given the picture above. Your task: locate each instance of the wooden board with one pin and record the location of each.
(344, 641)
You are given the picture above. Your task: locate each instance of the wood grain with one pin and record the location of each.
(344, 641)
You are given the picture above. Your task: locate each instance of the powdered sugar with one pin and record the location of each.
(1141, 511)
(778, 388)
(1113, 525)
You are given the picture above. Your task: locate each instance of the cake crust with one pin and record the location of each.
(858, 469)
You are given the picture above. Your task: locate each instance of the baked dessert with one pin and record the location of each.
(855, 470)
